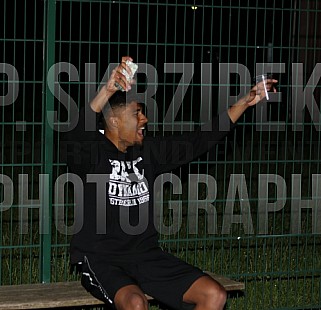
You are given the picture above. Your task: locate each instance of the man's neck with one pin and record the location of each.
(116, 141)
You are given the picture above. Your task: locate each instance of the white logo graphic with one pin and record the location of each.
(127, 186)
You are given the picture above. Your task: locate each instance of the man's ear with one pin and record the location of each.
(113, 121)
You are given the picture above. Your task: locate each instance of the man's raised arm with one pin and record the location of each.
(256, 94)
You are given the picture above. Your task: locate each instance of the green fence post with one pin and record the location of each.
(48, 138)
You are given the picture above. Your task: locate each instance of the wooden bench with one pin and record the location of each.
(68, 294)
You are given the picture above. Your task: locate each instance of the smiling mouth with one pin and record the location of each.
(140, 131)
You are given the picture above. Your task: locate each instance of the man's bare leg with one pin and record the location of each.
(131, 297)
(206, 294)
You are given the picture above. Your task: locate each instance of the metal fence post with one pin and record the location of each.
(49, 59)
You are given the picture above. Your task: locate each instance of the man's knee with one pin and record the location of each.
(216, 296)
(132, 301)
(137, 302)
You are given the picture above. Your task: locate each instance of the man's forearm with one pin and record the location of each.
(101, 99)
(256, 94)
(236, 110)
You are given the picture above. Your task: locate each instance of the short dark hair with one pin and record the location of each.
(120, 99)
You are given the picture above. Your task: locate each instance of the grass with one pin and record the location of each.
(280, 272)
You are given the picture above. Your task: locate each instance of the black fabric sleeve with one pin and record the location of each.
(177, 150)
(79, 145)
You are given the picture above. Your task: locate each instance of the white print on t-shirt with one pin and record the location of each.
(127, 186)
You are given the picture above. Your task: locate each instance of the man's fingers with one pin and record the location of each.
(118, 79)
(124, 65)
(125, 58)
(121, 81)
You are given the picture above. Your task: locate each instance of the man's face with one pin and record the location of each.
(131, 124)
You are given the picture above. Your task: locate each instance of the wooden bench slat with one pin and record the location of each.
(227, 283)
(53, 295)
(67, 294)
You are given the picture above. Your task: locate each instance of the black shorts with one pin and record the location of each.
(158, 274)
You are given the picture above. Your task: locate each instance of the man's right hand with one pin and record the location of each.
(117, 77)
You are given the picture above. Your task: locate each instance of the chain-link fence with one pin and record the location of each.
(249, 209)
